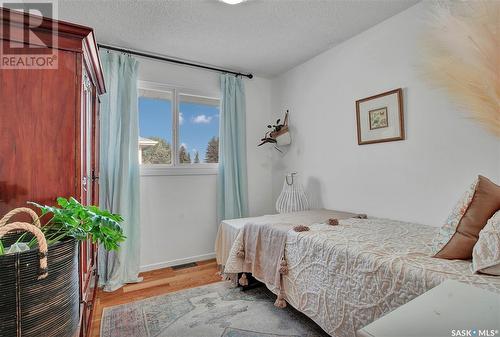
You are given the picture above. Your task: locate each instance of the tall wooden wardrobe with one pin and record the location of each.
(49, 125)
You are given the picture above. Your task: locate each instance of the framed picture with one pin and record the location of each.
(380, 118)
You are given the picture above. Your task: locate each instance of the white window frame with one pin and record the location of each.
(176, 168)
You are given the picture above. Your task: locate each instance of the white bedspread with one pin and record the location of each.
(346, 276)
(229, 229)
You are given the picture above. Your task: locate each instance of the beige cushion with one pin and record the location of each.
(486, 253)
(460, 233)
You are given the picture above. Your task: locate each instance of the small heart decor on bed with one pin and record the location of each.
(301, 228)
(333, 222)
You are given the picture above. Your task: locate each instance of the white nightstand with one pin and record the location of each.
(450, 309)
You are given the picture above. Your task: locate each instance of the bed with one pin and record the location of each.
(346, 276)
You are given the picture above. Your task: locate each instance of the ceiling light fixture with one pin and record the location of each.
(232, 2)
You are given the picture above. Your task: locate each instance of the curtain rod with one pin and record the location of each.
(172, 60)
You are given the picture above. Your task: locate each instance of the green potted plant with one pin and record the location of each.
(75, 220)
(40, 279)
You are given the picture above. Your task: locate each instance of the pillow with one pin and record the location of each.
(457, 237)
(486, 253)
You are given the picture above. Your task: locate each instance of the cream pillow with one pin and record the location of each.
(486, 253)
(449, 228)
(459, 234)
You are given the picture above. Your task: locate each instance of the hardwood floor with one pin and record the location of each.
(156, 282)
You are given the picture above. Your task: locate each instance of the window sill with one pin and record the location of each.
(164, 170)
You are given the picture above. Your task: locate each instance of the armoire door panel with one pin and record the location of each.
(96, 151)
(37, 134)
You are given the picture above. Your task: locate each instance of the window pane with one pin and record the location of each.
(155, 127)
(198, 130)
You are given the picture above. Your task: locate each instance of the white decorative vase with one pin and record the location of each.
(292, 197)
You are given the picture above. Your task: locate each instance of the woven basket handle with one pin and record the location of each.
(42, 243)
(34, 216)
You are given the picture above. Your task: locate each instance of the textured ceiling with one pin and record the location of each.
(265, 37)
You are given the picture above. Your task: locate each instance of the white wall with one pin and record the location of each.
(418, 179)
(259, 159)
(178, 213)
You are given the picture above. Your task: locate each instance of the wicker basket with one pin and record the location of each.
(39, 289)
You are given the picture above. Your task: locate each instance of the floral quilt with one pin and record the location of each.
(346, 276)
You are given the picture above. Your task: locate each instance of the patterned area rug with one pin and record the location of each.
(216, 310)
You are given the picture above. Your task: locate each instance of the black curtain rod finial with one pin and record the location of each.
(171, 60)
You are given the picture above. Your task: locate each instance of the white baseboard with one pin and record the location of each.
(177, 262)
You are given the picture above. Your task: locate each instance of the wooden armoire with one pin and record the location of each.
(49, 123)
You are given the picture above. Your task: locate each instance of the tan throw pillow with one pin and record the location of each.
(459, 234)
(486, 253)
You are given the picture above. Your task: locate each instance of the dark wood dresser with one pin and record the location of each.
(49, 122)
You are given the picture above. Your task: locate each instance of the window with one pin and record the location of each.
(177, 129)
(155, 127)
(198, 130)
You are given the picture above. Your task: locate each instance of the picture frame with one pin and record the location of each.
(380, 118)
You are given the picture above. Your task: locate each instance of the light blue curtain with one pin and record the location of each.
(119, 167)
(232, 189)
